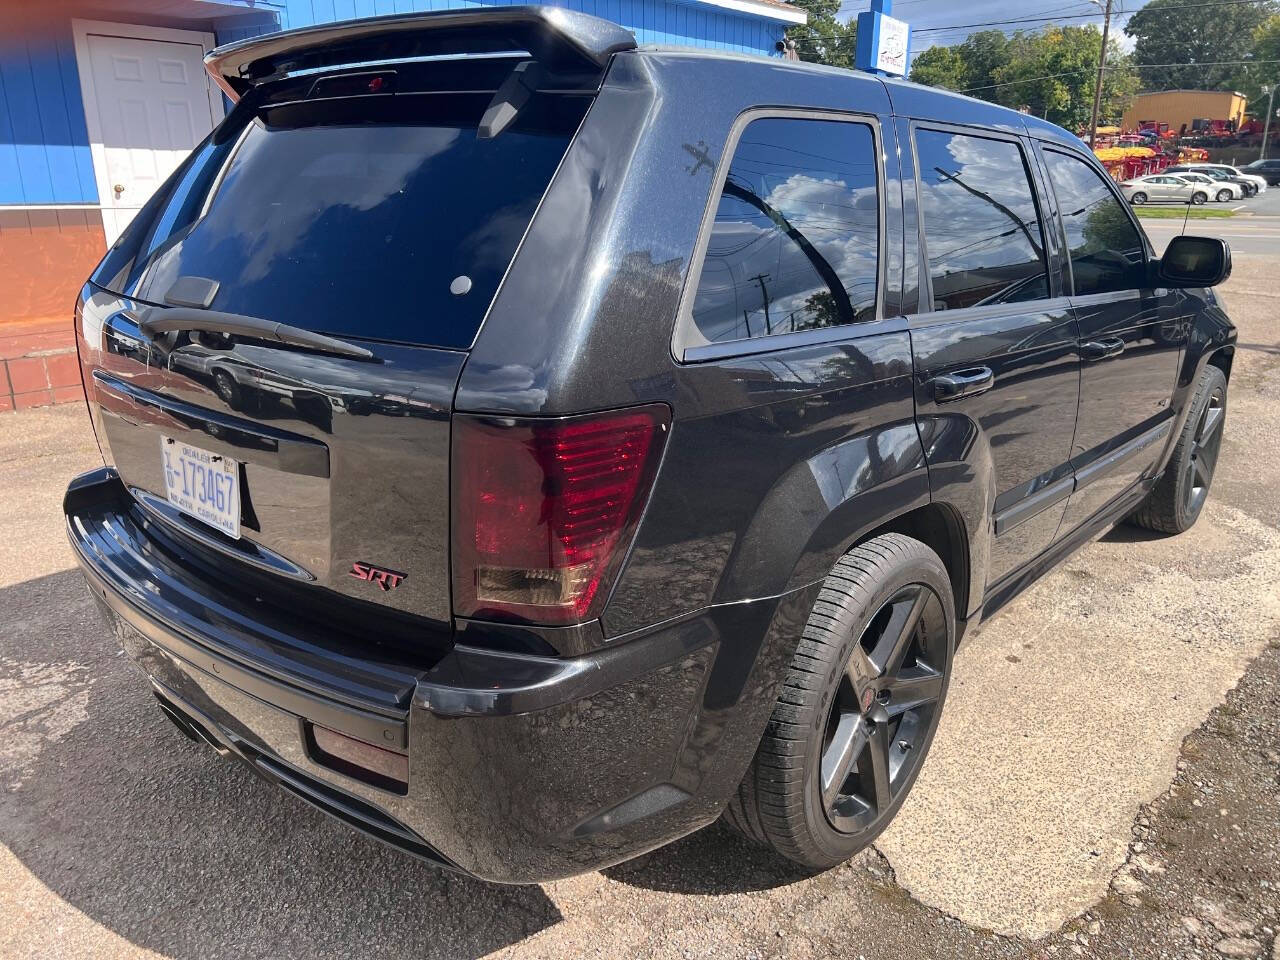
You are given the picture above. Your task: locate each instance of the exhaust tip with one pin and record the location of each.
(191, 727)
(178, 719)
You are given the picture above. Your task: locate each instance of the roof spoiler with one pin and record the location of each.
(559, 39)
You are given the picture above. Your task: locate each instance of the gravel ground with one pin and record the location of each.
(1128, 806)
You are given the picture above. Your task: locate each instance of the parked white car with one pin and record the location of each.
(1259, 182)
(1220, 190)
(1164, 187)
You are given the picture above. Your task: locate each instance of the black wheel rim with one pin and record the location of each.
(884, 711)
(1205, 445)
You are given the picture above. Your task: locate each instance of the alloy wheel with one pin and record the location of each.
(225, 386)
(1204, 452)
(885, 707)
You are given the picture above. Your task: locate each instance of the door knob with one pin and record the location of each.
(118, 188)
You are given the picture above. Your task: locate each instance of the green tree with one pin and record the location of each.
(967, 66)
(940, 67)
(1266, 41)
(1266, 70)
(1053, 73)
(1198, 41)
(825, 38)
(985, 52)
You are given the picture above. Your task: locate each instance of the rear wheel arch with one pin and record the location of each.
(940, 527)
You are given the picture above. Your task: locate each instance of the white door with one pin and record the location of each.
(153, 103)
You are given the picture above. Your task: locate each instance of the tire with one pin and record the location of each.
(1174, 504)
(1138, 199)
(866, 686)
(227, 388)
(1224, 196)
(1199, 197)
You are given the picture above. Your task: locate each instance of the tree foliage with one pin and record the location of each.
(1266, 70)
(1054, 73)
(825, 38)
(970, 65)
(1196, 41)
(1051, 72)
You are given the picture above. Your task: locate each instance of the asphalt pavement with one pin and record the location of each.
(1254, 230)
(1106, 780)
(1248, 236)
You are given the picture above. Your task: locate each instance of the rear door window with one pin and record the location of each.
(380, 217)
(982, 229)
(795, 241)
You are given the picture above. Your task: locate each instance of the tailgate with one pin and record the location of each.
(339, 461)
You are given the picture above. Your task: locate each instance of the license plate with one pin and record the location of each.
(202, 484)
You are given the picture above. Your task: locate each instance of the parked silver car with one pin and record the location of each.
(1259, 182)
(1164, 187)
(1220, 190)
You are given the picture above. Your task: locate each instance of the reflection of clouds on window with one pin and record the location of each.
(794, 243)
(982, 229)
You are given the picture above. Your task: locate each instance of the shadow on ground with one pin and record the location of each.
(714, 861)
(1128, 533)
(180, 852)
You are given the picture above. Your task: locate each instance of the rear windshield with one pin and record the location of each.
(380, 217)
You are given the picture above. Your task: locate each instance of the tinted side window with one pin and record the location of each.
(1106, 252)
(794, 243)
(981, 226)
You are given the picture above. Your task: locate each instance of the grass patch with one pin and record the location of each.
(1148, 212)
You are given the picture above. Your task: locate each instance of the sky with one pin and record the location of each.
(925, 15)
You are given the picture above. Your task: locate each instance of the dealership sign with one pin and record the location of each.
(883, 42)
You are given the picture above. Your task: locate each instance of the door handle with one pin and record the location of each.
(962, 383)
(1102, 349)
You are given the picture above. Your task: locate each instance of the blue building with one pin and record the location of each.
(101, 99)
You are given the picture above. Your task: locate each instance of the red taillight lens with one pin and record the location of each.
(544, 509)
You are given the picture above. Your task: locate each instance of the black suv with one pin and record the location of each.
(1268, 169)
(527, 447)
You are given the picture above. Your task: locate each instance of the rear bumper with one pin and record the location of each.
(521, 768)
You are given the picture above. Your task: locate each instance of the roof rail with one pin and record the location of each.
(559, 39)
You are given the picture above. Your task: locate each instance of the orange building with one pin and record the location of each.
(1179, 107)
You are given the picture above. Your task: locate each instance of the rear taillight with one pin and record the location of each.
(544, 510)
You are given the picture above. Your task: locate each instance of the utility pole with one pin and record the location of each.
(1266, 127)
(1102, 64)
(760, 278)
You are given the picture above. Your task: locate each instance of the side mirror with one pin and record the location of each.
(1195, 262)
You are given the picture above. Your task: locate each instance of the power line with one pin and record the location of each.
(1127, 66)
(1043, 19)
(997, 23)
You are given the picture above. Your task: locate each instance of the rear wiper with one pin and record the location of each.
(153, 320)
(507, 102)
